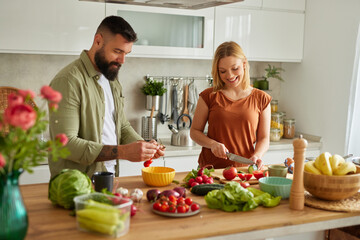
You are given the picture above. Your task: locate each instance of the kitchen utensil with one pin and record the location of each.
(181, 136)
(239, 159)
(297, 199)
(103, 180)
(150, 125)
(174, 113)
(276, 186)
(163, 117)
(185, 110)
(332, 187)
(158, 176)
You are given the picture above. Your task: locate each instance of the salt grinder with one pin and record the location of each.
(297, 197)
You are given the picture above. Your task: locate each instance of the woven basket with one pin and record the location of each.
(4, 92)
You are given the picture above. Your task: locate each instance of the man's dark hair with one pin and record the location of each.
(118, 25)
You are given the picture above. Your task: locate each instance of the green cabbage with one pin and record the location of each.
(68, 184)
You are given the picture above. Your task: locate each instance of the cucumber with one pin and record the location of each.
(203, 189)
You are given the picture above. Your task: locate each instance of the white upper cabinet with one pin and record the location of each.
(287, 5)
(264, 35)
(48, 26)
(168, 32)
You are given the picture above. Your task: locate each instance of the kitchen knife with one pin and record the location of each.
(239, 159)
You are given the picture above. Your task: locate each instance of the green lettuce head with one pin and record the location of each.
(68, 184)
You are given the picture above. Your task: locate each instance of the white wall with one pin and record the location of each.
(316, 91)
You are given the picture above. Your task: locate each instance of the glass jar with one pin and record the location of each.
(289, 128)
(275, 134)
(274, 106)
(277, 122)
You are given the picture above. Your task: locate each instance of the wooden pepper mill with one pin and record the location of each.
(297, 197)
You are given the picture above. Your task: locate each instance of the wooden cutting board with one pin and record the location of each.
(218, 176)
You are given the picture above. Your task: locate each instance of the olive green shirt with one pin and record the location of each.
(81, 117)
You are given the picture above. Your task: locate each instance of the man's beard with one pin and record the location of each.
(105, 67)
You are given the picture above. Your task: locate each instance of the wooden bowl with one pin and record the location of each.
(332, 187)
(158, 176)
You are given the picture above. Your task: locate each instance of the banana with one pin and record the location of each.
(335, 161)
(345, 168)
(323, 163)
(310, 167)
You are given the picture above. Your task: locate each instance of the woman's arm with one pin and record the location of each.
(263, 135)
(197, 131)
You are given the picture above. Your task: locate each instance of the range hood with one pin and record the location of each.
(183, 4)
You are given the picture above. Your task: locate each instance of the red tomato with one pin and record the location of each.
(245, 176)
(186, 207)
(157, 206)
(181, 201)
(148, 162)
(164, 207)
(172, 208)
(258, 174)
(188, 201)
(173, 199)
(195, 207)
(181, 209)
(245, 184)
(230, 173)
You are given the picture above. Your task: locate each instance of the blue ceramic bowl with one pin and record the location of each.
(276, 186)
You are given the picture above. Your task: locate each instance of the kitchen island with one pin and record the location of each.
(48, 222)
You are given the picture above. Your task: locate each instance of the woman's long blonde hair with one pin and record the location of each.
(227, 49)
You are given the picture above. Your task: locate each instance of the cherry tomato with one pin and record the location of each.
(230, 173)
(164, 207)
(173, 199)
(245, 184)
(195, 207)
(181, 209)
(172, 208)
(148, 162)
(186, 207)
(188, 201)
(181, 201)
(258, 174)
(245, 176)
(157, 206)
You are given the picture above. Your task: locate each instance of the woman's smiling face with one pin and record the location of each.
(231, 71)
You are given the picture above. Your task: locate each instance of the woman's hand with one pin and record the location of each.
(257, 161)
(219, 150)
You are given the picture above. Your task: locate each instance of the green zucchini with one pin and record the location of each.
(203, 189)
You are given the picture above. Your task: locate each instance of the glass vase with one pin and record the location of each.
(13, 215)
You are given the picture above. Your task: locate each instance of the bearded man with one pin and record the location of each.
(91, 113)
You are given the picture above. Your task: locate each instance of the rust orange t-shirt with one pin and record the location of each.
(233, 123)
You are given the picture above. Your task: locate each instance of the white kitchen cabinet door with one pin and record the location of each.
(128, 168)
(183, 163)
(264, 35)
(168, 32)
(292, 5)
(48, 26)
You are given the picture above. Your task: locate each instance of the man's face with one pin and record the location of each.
(111, 55)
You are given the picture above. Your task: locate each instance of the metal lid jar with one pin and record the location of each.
(274, 106)
(275, 134)
(289, 128)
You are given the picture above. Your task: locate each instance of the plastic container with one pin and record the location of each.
(277, 122)
(103, 214)
(275, 135)
(274, 106)
(289, 128)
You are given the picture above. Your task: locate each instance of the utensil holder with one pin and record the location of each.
(148, 128)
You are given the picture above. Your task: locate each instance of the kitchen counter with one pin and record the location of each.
(47, 222)
(314, 142)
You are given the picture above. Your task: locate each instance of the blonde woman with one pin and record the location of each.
(237, 114)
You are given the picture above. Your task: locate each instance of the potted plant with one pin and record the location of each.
(270, 72)
(153, 91)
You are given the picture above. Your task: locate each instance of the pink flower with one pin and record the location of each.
(2, 161)
(14, 99)
(26, 93)
(53, 106)
(22, 115)
(63, 139)
(48, 93)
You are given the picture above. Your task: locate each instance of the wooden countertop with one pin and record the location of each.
(49, 222)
